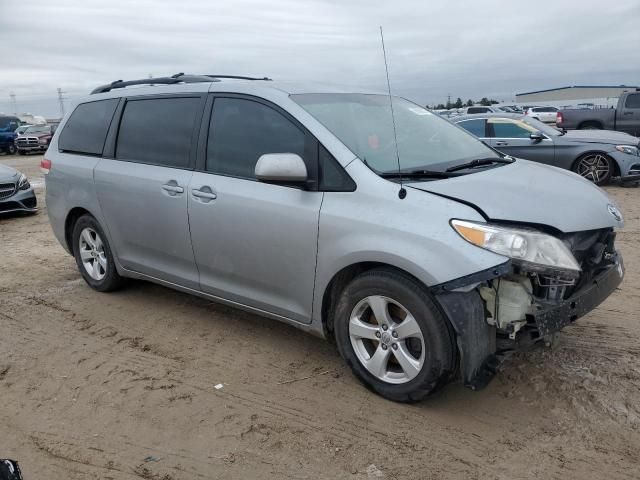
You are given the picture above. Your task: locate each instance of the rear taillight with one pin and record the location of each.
(559, 118)
(45, 166)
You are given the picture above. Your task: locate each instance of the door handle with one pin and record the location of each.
(172, 188)
(202, 194)
(627, 113)
(502, 144)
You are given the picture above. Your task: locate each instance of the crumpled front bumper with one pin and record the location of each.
(480, 355)
(550, 318)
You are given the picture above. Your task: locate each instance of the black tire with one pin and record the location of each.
(439, 339)
(11, 150)
(111, 280)
(602, 179)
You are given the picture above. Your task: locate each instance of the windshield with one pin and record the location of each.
(8, 124)
(38, 129)
(363, 123)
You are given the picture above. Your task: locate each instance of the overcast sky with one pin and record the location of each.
(468, 49)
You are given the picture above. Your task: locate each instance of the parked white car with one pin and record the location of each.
(479, 109)
(544, 114)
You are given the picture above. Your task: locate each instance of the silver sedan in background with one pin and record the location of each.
(597, 155)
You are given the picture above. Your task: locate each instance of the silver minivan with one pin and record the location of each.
(424, 254)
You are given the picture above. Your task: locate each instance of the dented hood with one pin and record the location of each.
(528, 192)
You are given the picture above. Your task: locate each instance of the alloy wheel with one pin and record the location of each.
(594, 167)
(387, 339)
(92, 254)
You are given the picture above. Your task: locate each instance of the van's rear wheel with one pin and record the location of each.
(392, 335)
(93, 255)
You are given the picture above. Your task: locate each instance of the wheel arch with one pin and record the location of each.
(72, 217)
(341, 279)
(595, 123)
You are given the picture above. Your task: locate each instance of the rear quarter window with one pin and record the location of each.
(633, 101)
(87, 127)
(472, 110)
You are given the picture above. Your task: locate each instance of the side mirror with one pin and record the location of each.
(537, 136)
(281, 167)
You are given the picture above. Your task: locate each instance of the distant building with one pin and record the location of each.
(596, 96)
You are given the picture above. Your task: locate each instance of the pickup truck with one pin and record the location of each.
(36, 138)
(8, 126)
(624, 118)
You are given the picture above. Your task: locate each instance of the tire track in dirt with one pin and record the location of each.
(136, 359)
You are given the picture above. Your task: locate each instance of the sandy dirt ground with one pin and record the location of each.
(122, 385)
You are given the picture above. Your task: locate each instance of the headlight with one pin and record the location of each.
(529, 248)
(43, 141)
(23, 182)
(629, 149)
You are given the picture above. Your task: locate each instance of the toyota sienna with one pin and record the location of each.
(423, 253)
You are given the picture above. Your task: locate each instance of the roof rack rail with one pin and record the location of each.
(177, 78)
(241, 77)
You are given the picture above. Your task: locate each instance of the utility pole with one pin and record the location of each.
(13, 103)
(449, 101)
(61, 100)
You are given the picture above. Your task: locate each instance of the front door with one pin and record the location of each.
(143, 192)
(628, 118)
(254, 243)
(512, 137)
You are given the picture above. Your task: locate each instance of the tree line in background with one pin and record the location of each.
(459, 104)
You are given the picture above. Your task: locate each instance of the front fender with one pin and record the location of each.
(411, 234)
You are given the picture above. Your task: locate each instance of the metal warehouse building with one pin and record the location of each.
(599, 95)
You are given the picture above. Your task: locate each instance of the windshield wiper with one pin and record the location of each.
(417, 173)
(478, 162)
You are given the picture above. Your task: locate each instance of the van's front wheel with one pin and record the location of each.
(393, 336)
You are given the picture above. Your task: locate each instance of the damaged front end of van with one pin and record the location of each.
(548, 282)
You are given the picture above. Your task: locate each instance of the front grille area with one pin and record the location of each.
(30, 202)
(594, 250)
(8, 206)
(27, 142)
(7, 190)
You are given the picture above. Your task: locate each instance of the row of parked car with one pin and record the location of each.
(22, 139)
(545, 114)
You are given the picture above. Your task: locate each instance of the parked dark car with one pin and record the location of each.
(596, 155)
(16, 193)
(624, 118)
(8, 127)
(36, 138)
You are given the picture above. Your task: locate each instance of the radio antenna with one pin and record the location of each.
(402, 193)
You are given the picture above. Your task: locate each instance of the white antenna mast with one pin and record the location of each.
(402, 193)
